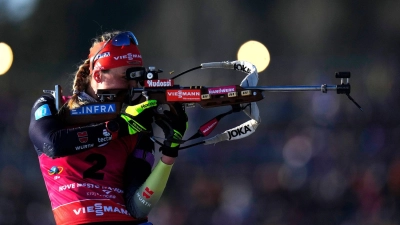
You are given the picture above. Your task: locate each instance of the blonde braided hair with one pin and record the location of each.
(81, 82)
(83, 76)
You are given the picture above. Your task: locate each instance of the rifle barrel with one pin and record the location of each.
(293, 88)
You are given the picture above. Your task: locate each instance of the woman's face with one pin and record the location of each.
(115, 78)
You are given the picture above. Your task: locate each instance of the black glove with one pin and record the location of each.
(139, 117)
(174, 127)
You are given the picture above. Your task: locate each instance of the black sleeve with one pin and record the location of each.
(136, 172)
(50, 136)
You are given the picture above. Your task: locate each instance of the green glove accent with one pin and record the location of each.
(136, 119)
(135, 110)
(133, 126)
(176, 136)
(174, 127)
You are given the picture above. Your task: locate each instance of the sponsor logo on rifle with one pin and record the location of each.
(208, 127)
(241, 68)
(205, 96)
(239, 131)
(232, 94)
(221, 90)
(83, 137)
(183, 95)
(159, 83)
(245, 93)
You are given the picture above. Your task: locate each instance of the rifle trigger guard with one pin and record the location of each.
(144, 93)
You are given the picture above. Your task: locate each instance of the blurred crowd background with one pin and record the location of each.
(315, 159)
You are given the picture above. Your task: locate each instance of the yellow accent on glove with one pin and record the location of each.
(133, 126)
(135, 110)
(177, 136)
(136, 119)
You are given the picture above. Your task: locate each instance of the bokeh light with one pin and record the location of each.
(6, 58)
(297, 151)
(332, 185)
(325, 107)
(256, 53)
(291, 178)
(18, 10)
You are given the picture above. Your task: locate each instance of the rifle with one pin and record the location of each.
(241, 97)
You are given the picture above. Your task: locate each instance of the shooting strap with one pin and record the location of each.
(251, 110)
(209, 126)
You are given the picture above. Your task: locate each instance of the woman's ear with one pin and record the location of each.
(97, 77)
